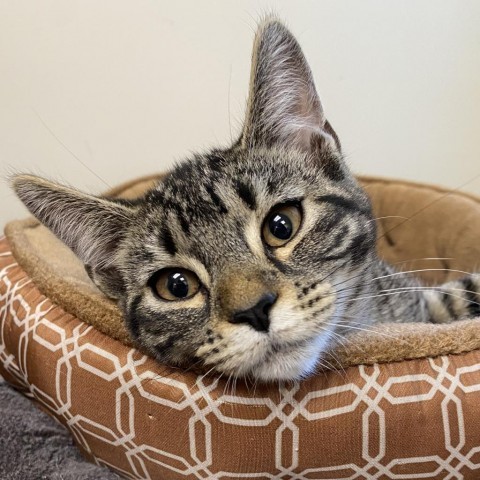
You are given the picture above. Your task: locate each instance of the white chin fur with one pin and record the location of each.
(294, 364)
(288, 363)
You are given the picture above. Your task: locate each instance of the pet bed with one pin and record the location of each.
(404, 402)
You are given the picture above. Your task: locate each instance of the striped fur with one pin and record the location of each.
(207, 217)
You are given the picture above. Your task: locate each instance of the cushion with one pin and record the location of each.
(403, 401)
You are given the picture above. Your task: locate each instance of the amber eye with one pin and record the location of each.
(175, 284)
(281, 224)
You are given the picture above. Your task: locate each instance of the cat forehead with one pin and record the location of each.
(213, 195)
(249, 176)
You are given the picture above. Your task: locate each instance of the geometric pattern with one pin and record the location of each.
(403, 420)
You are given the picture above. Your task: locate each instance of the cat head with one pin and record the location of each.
(232, 261)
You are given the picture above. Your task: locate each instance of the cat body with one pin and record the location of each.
(250, 260)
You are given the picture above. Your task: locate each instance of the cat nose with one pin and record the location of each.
(257, 316)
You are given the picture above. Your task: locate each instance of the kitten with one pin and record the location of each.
(247, 260)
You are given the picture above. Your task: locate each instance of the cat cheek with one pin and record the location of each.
(301, 310)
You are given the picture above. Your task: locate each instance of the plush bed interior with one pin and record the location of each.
(419, 227)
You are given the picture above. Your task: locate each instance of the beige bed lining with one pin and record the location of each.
(440, 223)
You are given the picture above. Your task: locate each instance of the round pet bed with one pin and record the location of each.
(403, 403)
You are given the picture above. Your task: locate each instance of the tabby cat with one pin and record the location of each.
(247, 260)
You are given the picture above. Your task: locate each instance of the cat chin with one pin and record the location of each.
(294, 363)
(287, 363)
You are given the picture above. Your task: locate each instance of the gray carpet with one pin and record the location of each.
(35, 447)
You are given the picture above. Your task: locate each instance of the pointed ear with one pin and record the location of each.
(283, 105)
(91, 226)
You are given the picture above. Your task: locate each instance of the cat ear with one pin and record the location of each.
(91, 226)
(283, 106)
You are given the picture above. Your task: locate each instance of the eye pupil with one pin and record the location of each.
(177, 285)
(280, 226)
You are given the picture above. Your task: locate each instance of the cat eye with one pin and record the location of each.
(281, 224)
(175, 284)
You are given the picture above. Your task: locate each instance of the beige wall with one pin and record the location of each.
(131, 86)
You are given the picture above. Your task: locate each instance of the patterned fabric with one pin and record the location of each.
(404, 420)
